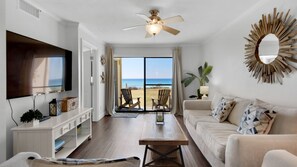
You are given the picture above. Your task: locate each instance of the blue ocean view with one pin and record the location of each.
(138, 83)
(54, 82)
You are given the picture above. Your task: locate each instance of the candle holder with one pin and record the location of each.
(159, 117)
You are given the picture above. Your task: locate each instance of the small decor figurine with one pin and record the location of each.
(31, 117)
(54, 108)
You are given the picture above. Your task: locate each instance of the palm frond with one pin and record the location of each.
(191, 74)
(205, 64)
(200, 71)
(188, 81)
(207, 70)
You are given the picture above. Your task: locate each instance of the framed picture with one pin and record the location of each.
(102, 77)
(103, 60)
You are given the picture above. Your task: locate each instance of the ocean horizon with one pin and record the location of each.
(139, 83)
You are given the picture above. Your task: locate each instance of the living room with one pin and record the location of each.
(221, 43)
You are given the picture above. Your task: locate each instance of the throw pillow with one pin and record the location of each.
(223, 109)
(256, 120)
(263, 104)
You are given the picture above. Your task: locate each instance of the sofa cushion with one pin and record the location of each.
(194, 116)
(285, 121)
(194, 119)
(188, 113)
(223, 109)
(215, 136)
(238, 110)
(263, 104)
(215, 100)
(256, 120)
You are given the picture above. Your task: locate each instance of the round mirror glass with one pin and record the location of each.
(268, 48)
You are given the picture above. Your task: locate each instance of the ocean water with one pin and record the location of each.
(54, 82)
(138, 83)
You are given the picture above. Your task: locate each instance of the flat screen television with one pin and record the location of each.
(34, 67)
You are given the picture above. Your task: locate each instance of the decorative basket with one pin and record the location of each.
(69, 103)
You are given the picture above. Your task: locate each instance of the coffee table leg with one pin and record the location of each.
(181, 156)
(144, 158)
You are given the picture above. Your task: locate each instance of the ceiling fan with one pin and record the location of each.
(154, 24)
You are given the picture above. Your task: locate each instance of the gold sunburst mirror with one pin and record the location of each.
(271, 50)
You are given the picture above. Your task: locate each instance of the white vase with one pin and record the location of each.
(33, 123)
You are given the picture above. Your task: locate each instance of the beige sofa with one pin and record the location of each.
(279, 158)
(222, 145)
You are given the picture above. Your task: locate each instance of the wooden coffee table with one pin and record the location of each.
(169, 134)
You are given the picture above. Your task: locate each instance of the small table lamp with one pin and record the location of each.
(204, 91)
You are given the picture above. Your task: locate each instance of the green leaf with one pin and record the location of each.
(192, 75)
(188, 81)
(206, 79)
(200, 71)
(207, 70)
(205, 64)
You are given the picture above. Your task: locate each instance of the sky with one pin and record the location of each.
(56, 67)
(133, 68)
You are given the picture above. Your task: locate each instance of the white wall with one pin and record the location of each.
(46, 29)
(99, 87)
(191, 58)
(2, 82)
(225, 51)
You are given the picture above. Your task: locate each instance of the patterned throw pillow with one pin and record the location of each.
(256, 120)
(223, 109)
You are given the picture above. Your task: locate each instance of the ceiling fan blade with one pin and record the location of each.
(133, 27)
(170, 30)
(174, 19)
(148, 35)
(145, 17)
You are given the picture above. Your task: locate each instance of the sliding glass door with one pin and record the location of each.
(142, 84)
(158, 79)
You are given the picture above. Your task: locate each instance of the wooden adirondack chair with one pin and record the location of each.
(163, 96)
(126, 93)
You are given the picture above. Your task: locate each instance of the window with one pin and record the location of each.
(144, 77)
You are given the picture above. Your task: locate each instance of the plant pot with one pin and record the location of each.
(33, 123)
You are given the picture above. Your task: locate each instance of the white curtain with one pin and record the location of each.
(109, 82)
(177, 88)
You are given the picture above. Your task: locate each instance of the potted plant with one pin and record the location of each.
(203, 72)
(31, 117)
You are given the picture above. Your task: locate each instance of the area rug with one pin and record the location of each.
(125, 115)
(129, 110)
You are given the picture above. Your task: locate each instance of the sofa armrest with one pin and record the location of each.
(197, 105)
(20, 159)
(249, 150)
(276, 158)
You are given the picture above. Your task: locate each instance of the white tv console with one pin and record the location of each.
(74, 127)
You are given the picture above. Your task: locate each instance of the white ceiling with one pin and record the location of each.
(107, 18)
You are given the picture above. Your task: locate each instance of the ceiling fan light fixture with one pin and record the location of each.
(153, 29)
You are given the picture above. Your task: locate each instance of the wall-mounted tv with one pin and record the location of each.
(34, 67)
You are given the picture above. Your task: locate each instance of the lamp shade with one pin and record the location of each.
(204, 89)
(153, 29)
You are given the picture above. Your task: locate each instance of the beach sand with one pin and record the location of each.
(150, 93)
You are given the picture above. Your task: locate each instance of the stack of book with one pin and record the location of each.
(59, 145)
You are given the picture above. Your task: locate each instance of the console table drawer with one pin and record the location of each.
(84, 117)
(61, 130)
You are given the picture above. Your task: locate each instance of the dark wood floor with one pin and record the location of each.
(118, 138)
